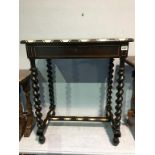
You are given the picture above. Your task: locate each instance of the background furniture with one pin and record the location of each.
(26, 119)
(92, 48)
(22, 120)
(131, 112)
(131, 61)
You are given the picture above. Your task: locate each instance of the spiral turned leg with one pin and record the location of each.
(37, 102)
(119, 100)
(109, 113)
(50, 85)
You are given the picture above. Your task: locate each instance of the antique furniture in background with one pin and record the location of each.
(71, 49)
(131, 113)
(26, 119)
(22, 120)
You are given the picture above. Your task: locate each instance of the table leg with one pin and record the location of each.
(50, 85)
(109, 113)
(119, 100)
(37, 102)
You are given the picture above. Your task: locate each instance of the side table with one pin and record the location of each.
(81, 48)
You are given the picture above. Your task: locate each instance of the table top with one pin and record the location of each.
(99, 40)
(130, 60)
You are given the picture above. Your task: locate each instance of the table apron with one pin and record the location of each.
(44, 52)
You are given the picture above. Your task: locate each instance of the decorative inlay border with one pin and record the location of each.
(78, 40)
(78, 118)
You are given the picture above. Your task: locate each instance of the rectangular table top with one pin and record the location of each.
(101, 40)
(77, 48)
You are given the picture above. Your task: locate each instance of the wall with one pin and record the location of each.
(48, 19)
(80, 84)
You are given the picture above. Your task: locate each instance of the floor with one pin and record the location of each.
(79, 139)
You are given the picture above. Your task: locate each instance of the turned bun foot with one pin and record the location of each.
(116, 141)
(40, 131)
(118, 133)
(41, 139)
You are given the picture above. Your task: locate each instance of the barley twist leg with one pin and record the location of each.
(37, 102)
(119, 100)
(109, 113)
(50, 85)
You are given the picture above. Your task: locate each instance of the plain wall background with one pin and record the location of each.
(51, 19)
(80, 84)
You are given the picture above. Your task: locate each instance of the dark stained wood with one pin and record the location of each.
(109, 113)
(95, 51)
(119, 100)
(91, 48)
(36, 99)
(50, 85)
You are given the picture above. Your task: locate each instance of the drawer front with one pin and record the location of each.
(96, 51)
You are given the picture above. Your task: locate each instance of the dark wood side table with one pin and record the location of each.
(71, 49)
(27, 119)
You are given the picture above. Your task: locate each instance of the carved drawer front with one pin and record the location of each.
(94, 51)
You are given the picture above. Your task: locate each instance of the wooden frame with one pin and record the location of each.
(92, 48)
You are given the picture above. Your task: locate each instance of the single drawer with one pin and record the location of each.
(91, 51)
